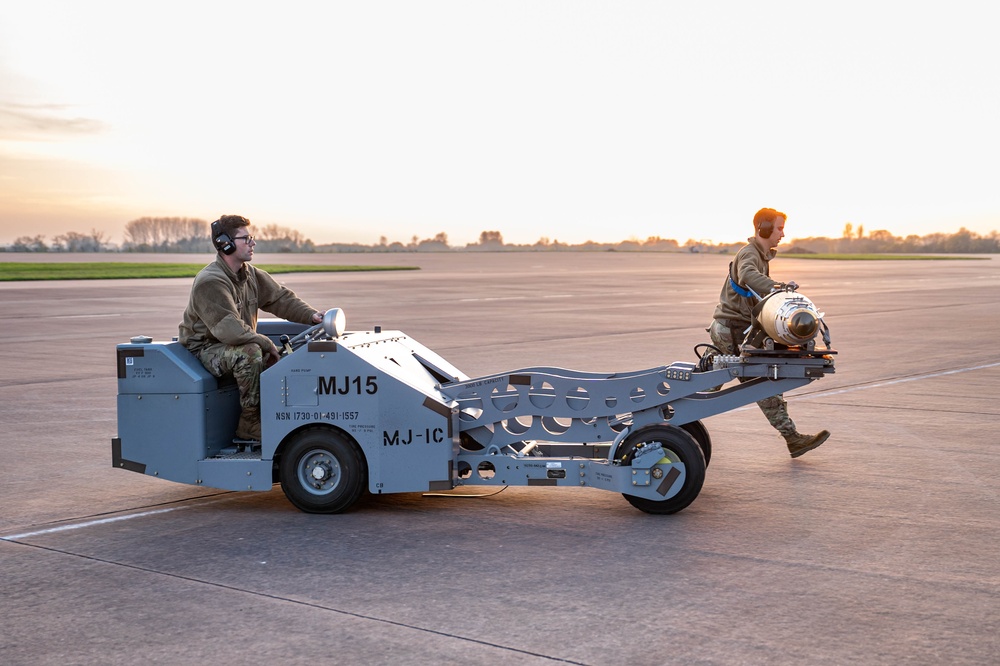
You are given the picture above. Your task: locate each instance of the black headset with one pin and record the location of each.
(766, 227)
(221, 240)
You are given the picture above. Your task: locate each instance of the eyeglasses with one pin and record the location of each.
(245, 239)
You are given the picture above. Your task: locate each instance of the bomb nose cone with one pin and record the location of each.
(803, 325)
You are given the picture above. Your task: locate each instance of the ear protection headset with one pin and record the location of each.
(766, 227)
(764, 221)
(221, 240)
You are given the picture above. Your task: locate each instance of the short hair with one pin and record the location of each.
(231, 223)
(767, 215)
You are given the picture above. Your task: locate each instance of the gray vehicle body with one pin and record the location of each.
(420, 424)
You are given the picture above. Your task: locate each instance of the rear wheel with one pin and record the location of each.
(678, 447)
(321, 471)
(698, 430)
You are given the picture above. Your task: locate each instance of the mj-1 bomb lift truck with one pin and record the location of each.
(344, 412)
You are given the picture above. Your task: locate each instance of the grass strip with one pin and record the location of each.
(12, 271)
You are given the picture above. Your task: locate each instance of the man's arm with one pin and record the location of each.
(282, 302)
(217, 308)
(749, 274)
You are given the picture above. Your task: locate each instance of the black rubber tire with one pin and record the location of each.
(321, 471)
(698, 430)
(677, 443)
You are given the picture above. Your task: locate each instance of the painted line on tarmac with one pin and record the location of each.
(891, 382)
(89, 523)
(485, 299)
(85, 316)
(901, 380)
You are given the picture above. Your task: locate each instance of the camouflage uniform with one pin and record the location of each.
(244, 363)
(750, 272)
(220, 328)
(775, 408)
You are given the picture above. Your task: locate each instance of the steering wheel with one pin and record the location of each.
(331, 327)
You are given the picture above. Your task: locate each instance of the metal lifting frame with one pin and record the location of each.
(520, 408)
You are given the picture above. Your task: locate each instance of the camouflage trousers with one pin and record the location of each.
(244, 363)
(775, 408)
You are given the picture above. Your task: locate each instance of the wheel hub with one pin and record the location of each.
(319, 471)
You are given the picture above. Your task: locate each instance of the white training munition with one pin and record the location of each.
(347, 412)
(789, 317)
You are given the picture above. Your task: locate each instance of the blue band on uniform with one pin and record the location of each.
(745, 293)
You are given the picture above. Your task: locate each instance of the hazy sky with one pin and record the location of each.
(571, 120)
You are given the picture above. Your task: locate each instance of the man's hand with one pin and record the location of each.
(318, 317)
(272, 356)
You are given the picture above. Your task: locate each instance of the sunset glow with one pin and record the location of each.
(568, 120)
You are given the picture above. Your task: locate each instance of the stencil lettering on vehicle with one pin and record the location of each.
(411, 436)
(347, 384)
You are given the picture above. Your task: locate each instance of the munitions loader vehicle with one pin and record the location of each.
(343, 413)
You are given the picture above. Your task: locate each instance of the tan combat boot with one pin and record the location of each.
(799, 444)
(248, 429)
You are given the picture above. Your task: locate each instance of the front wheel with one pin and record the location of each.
(322, 472)
(678, 447)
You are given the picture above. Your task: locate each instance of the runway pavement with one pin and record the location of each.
(880, 547)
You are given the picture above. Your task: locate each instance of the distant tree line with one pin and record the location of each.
(492, 241)
(854, 241)
(191, 235)
(166, 234)
(71, 241)
(186, 234)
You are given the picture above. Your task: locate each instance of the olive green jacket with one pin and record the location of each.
(750, 269)
(223, 307)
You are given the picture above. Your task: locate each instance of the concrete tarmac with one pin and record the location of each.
(880, 547)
